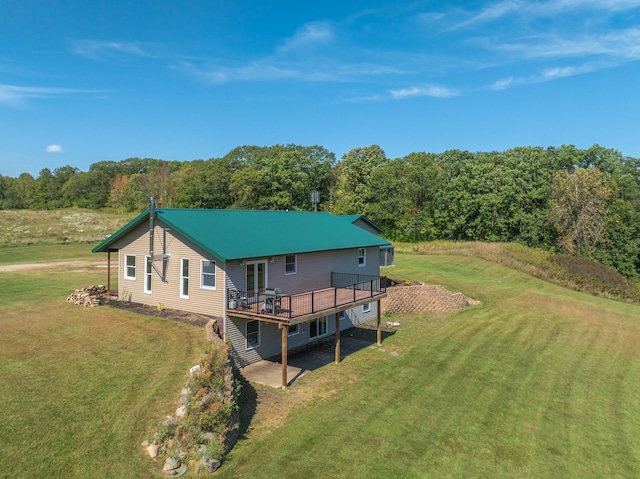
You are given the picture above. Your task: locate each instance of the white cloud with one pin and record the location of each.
(531, 9)
(15, 95)
(503, 84)
(53, 149)
(97, 49)
(428, 90)
(254, 71)
(623, 44)
(312, 33)
(545, 75)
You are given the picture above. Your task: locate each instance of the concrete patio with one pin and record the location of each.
(300, 363)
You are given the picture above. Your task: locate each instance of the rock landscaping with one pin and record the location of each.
(206, 423)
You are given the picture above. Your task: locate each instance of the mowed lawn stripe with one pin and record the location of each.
(82, 387)
(538, 381)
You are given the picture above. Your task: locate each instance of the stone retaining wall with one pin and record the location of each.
(421, 298)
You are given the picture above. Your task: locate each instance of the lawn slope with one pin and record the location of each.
(537, 381)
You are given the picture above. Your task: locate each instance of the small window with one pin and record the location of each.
(294, 329)
(366, 308)
(290, 264)
(362, 257)
(253, 334)
(342, 315)
(208, 279)
(148, 273)
(130, 266)
(184, 278)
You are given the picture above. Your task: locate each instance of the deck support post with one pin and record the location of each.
(378, 326)
(337, 341)
(285, 351)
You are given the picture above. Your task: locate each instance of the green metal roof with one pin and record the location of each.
(241, 234)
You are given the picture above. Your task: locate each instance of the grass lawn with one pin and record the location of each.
(82, 387)
(538, 381)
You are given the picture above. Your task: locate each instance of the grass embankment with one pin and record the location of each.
(580, 274)
(69, 225)
(82, 387)
(537, 381)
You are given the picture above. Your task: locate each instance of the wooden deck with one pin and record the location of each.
(298, 308)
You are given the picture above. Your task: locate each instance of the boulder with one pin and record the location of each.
(210, 463)
(152, 450)
(171, 464)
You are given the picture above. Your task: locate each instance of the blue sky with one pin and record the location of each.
(87, 81)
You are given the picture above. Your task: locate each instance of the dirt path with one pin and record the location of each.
(8, 268)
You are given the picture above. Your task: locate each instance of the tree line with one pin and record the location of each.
(583, 202)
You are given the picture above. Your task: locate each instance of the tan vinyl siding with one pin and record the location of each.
(167, 274)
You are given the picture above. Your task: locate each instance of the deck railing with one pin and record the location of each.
(345, 289)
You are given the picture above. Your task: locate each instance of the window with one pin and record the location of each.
(294, 329)
(290, 266)
(366, 308)
(130, 266)
(362, 257)
(184, 278)
(148, 272)
(208, 279)
(342, 315)
(253, 334)
(318, 327)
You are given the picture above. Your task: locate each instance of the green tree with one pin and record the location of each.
(280, 177)
(355, 190)
(207, 184)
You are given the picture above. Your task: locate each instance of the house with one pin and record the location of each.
(273, 280)
(386, 251)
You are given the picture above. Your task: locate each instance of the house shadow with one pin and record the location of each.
(300, 362)
(312, 356)
(247, 402)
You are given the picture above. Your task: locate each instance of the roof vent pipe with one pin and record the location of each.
(152, 217)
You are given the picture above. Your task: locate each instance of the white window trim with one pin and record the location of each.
(295, 264)
(183, 277)
(148, 275)
(343, 315)
(126, 266)
(246, 334)
(366, 308)
(364, 257)
(202, 273)
(293, 332)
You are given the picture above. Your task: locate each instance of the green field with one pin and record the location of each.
(537, 381)
(82, 387)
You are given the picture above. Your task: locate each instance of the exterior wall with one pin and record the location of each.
(166, 275)
(271, 336)
(366, 226)
(313, 270)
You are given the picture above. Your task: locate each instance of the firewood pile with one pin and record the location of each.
(90, 296)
